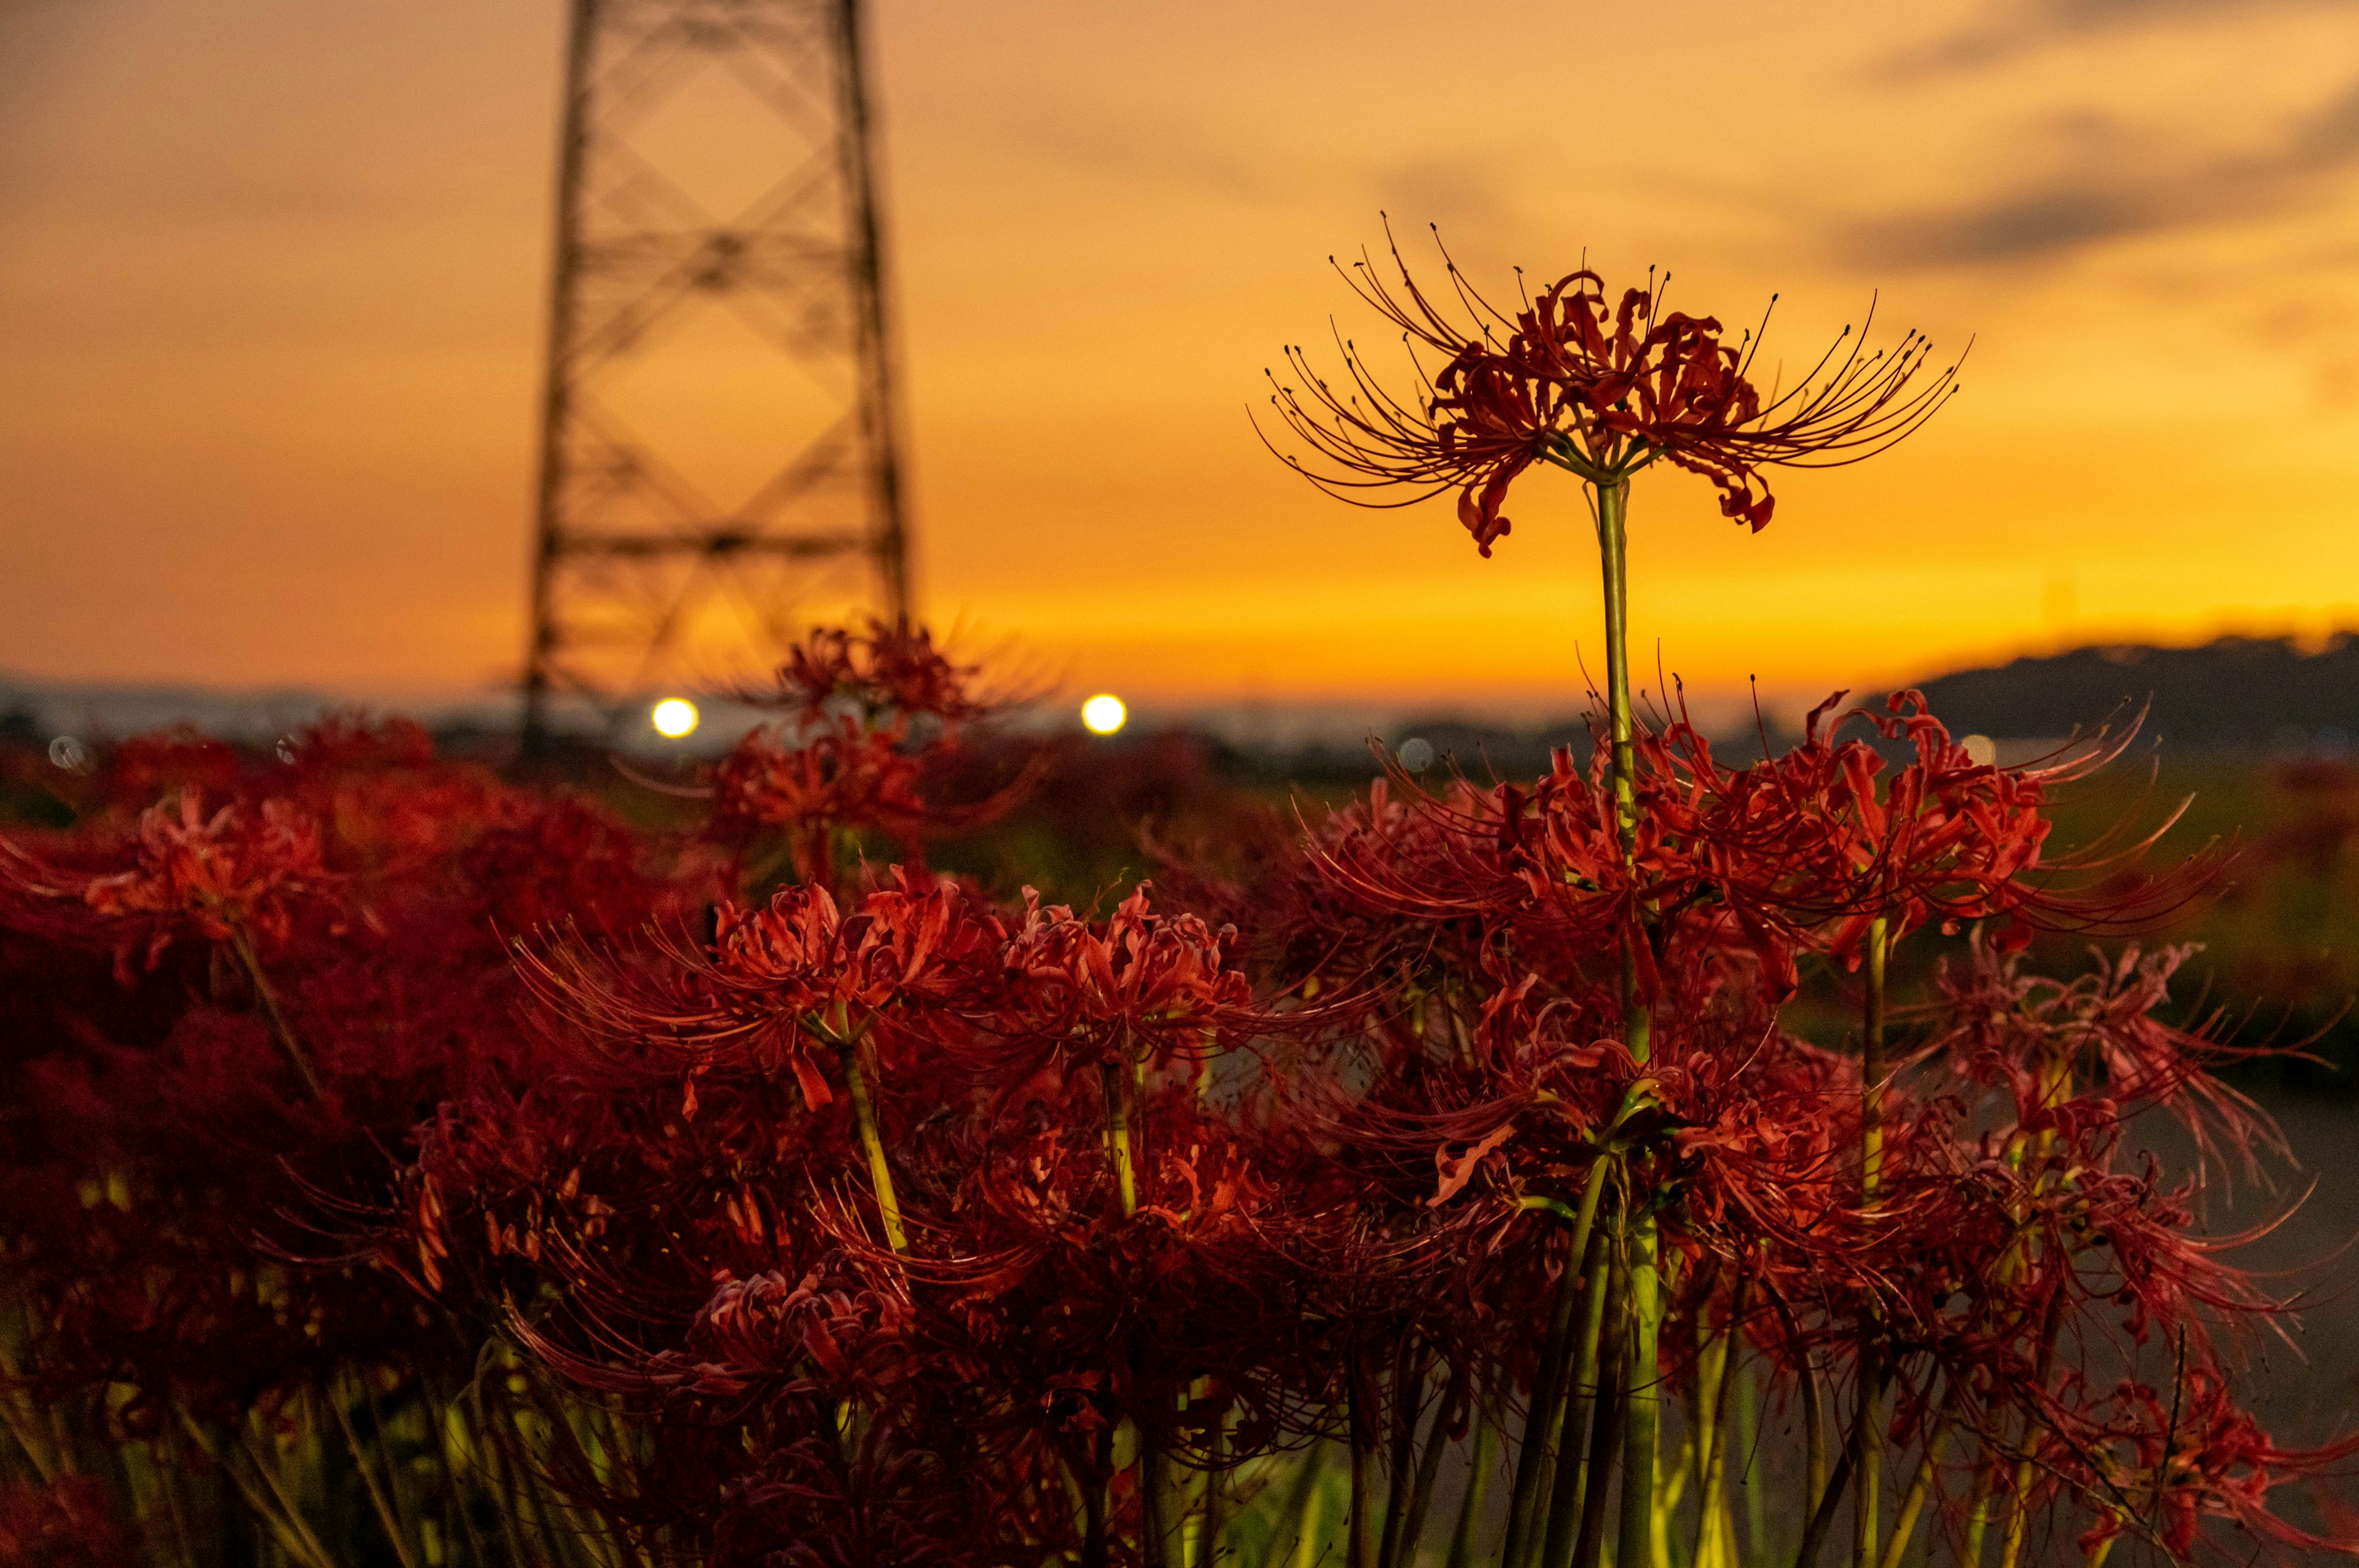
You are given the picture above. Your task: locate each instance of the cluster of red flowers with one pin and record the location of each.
(416, 1166)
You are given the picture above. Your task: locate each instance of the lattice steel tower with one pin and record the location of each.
(717, 462)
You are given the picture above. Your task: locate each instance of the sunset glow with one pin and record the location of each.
(260, 357)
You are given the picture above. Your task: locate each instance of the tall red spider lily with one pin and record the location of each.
(811, 786)
(872, 717)
(815, 781)
(886, 671)
(1600, 391)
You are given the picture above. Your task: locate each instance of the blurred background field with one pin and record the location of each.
(2275, 924)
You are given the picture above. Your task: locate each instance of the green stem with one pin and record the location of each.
(1208, 1532)
(1970, 1554)
(1360, 1418)
(1913, 1505)
(1606, 1417)
(1547, 1384)
(1117, 1135)
(1480, 1464)
(1094, 1544)
(1154, 1501)
(1409, 1370)
(1642, 1395)
(267, 999)
(880, 1173)
(378, 1503)
(1612, 508)
(1428, 1471)
(1571, 1491)
(1869, 1433)
(1748, 1433)
(1714, 1532)
(1822, 1518)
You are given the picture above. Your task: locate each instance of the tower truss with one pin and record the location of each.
(718, 461)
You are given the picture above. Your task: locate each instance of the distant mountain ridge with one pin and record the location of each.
(2241, 694)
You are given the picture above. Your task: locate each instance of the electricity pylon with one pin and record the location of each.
(718, 461)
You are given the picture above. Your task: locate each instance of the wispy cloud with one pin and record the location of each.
(2097, 194)
(2035, 24)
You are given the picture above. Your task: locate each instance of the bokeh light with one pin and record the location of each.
(1103, 714)
(675, 717)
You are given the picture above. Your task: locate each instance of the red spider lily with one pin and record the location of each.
(813, 786)
(778, 980)
(1316, 1193)
(1602, 393)
(239, 873)
(2037, 1035)
(886, 671)
(818, 779)
(2164, 1460)
(1139, 986)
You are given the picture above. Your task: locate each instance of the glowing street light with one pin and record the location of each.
(1103, 714)
(674, 718)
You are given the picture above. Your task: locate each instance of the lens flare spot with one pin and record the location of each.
(675, 717)
(1103, 714)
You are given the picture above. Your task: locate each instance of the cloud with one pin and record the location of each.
(2029, 27)
(1135, 149)
(2106, 191)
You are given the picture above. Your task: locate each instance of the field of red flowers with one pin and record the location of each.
(408, 1164)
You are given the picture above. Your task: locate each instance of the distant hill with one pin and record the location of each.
(2237, 694)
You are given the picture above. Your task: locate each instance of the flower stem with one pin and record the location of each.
(1970, 1554)
(1571, 1494)
(1612, 508)
(880, 1174)
(1480, 1464)
(1547, 1384)
(1117, 1133)
(1402, 1552)
(1642, 1393)
(1589, 1402)
(1360, 1418)
(1208, 1534)
(1606, 1416)
(1869, 1433)
(268, 999)
(1913, 1505)
(1748, 1429)
(1723, 1363)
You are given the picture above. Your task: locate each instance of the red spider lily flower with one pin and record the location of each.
(822, 778)
(888, 671)
(2187, 1453)
(1601, 390)
(1140, 985)
(810, 786)
(2037, 1035)
(237, 873)
(1948, 841)
(777, 982)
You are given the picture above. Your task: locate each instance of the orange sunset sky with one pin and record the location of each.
(272, 275)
